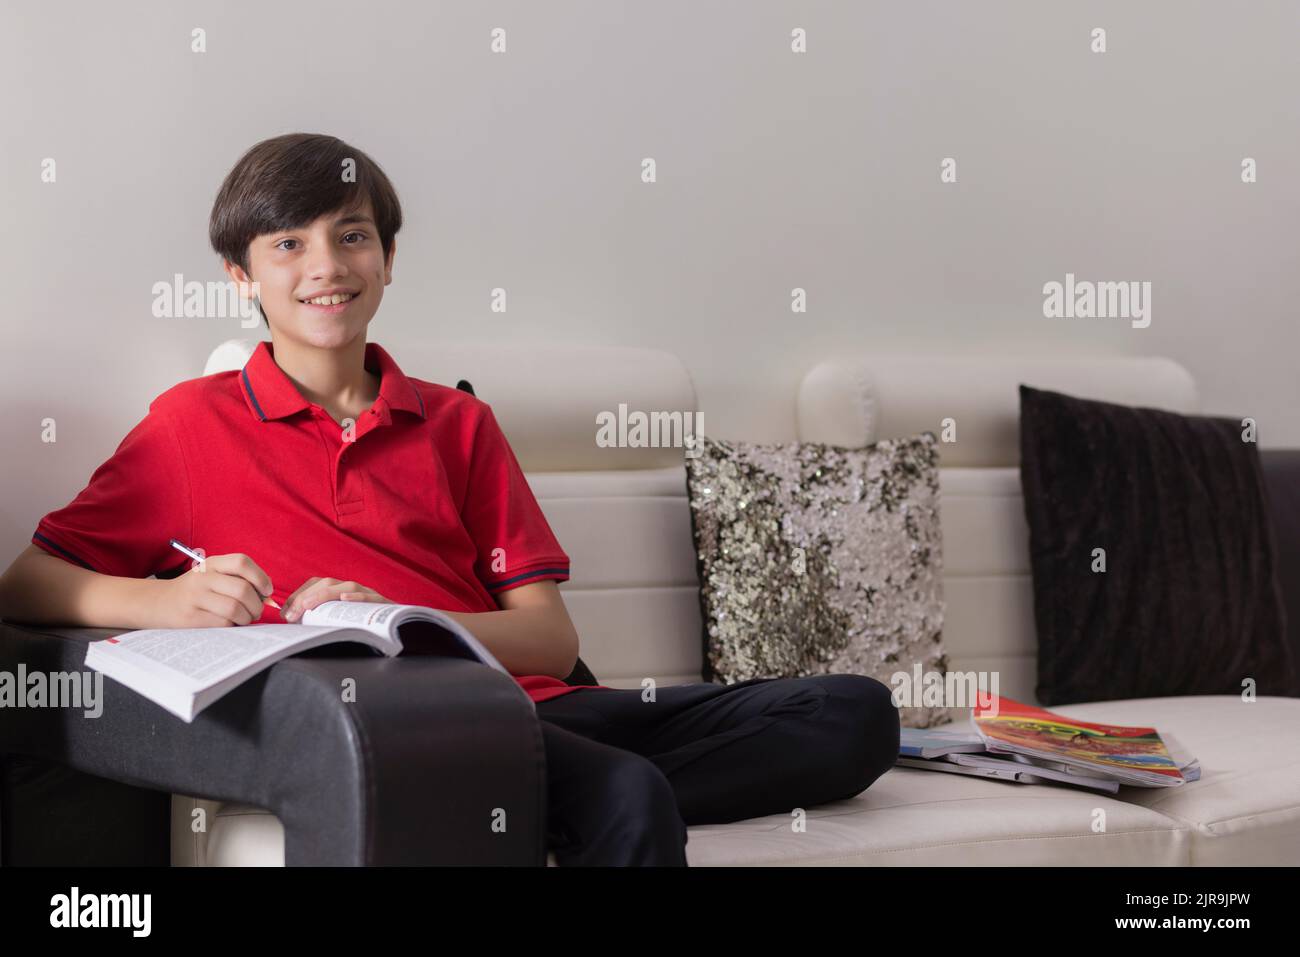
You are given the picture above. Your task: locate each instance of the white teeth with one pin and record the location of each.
(333, 300)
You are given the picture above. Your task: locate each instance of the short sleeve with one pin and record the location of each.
(121, 523)
(514, 542)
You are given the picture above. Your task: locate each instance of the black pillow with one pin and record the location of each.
(1188, 602)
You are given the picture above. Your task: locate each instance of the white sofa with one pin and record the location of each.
(622, 516)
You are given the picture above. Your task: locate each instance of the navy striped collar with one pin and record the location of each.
(272, 395)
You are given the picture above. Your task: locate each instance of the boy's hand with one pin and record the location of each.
(224, 590)
(316, 590)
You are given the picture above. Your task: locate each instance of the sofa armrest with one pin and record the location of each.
(410, 772)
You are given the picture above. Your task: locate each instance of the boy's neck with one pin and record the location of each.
(335, 379)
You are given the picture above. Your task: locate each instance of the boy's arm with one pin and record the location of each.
(43, 590)
(531, 635)
(40, 589)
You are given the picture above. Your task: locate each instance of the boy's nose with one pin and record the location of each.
(326, 266)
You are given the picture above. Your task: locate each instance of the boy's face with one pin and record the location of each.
(339, 252)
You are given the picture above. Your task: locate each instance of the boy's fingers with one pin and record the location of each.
(314, 597)
(238, 588)
(255, 576)
(328, 590)
(302, 604)
(225, 606)
(305, 597)
(297, 592)
(309, 587)
(237, 563)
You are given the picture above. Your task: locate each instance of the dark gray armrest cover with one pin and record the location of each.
(414, 771)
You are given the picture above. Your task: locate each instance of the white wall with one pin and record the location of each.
(775, 171)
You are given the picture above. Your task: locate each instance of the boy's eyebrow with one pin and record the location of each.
(352, 220)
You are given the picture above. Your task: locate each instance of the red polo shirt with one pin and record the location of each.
(426, 504)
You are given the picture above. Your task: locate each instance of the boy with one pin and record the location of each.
(320, 471)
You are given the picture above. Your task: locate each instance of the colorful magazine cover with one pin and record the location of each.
(1010, 727)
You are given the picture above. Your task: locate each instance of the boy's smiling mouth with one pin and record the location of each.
(330, 302)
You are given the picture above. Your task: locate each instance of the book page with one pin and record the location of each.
(424, 630)
(203, 655)
(370, 615)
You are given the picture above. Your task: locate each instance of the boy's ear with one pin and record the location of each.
(388, 265)
(235, 272)
(241, 280)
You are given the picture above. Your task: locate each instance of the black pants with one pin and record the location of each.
(626, 776)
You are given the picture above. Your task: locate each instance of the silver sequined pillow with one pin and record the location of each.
(817, 559)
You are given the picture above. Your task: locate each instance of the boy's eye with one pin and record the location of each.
(360, 236)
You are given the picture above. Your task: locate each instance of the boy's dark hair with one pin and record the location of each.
(289, 181)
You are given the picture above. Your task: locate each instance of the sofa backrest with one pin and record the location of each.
(622, 514)
(988, 591)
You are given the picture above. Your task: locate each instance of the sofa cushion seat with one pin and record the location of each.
(1245, 809)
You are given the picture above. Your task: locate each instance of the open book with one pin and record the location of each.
(186, 669)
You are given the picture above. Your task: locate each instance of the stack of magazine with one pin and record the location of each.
(1018, 742)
